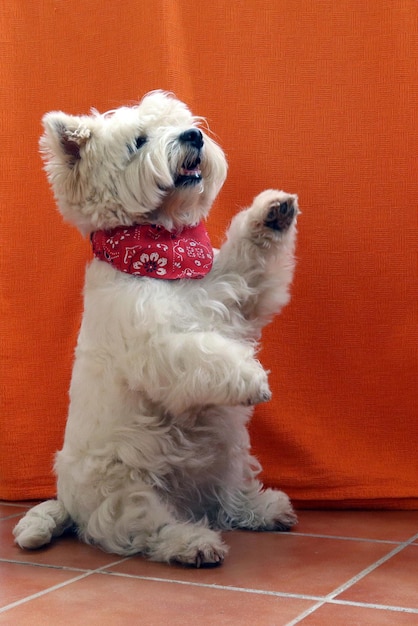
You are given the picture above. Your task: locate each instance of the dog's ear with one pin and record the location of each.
(64, 136)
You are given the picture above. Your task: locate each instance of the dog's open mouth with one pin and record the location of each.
(188, 174)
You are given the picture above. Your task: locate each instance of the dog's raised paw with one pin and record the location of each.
(272, 213)
(280, 214)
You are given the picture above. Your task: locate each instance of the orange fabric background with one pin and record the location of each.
(319, 98)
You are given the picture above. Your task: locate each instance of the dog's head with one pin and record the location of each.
(150, 163)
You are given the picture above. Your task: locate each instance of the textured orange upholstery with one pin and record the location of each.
(319, 98)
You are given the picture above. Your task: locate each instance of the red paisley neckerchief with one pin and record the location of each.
(153, 251)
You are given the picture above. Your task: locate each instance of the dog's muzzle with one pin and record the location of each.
(189, 172)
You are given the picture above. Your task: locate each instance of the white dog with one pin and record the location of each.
(156, 454)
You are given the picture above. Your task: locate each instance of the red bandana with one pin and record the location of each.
(149, 250)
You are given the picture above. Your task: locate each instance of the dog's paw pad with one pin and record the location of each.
(280, 215)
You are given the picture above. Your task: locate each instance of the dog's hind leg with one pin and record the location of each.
(41, 523)
(243, 501)
(139, 522)
(256, 508)
(186, 543)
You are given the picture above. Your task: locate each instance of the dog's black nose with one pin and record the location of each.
(193, 136)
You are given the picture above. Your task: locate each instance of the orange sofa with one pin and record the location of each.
(319, 98)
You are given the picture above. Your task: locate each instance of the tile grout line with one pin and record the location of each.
(11, 516)
(321, 600)
(331, 597)
(6, 517)
(39, 594)
(263, 592)
(372, 567)
(65, 568)
(343, 538)
(23, 506)
(102, 571)
(174, 581)
(34, 596)
(371, 605)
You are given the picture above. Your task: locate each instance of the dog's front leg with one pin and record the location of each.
(260, 251)
(184, 370)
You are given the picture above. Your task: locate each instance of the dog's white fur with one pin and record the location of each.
(156, 454)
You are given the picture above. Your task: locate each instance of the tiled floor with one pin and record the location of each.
(335, 568)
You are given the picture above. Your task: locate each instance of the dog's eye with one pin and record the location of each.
(136, 144)
(139, 142)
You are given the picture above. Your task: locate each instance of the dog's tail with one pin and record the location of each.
(41, 523)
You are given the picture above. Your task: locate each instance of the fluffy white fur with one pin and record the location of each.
(156, 455)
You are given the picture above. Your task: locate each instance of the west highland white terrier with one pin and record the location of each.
(156, 458)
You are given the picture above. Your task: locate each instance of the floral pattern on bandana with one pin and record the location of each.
(151, 263)
(153, 251)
